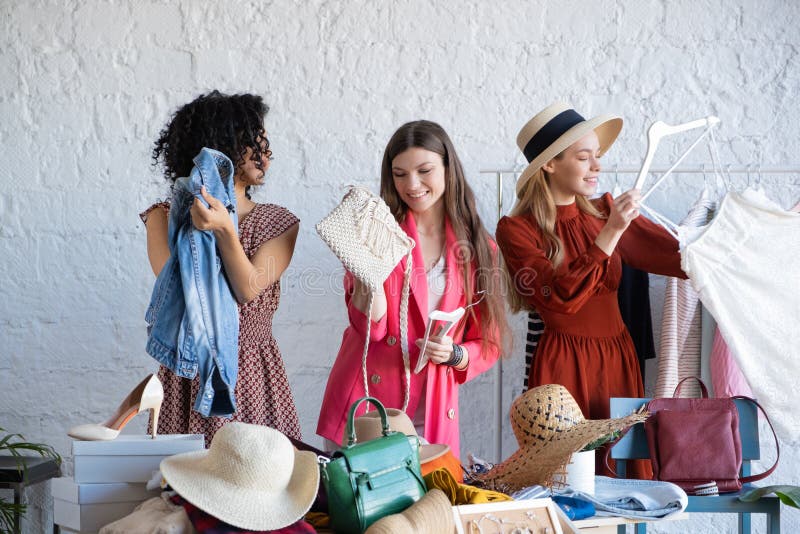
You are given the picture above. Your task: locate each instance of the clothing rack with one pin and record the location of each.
(757, 171)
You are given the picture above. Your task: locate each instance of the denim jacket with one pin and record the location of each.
(193, 317)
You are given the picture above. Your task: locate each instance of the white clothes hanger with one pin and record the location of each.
(448, 320)
(617, 191)
(722, 179)
(657, 131)
(668, 225)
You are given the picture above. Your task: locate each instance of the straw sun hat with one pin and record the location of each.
(368, 427)
(251, 477)
(432, 514)
(549, 427)
(554, 129)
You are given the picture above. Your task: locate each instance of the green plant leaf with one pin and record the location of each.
(9, 510)
(789, 495)
(599, 442)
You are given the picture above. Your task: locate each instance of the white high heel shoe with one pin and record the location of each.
(148, 395)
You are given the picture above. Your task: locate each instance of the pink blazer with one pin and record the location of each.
(385, 361)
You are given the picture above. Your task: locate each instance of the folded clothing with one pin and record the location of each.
(461, 493)
(574, 508)
(205, 523)
(154, 516)
(634, 499)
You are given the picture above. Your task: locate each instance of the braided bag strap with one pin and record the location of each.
(366, 345)
(404, 331)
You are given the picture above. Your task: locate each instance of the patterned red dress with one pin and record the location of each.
(263, 396)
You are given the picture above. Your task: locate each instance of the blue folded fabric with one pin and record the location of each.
(634, 499)
(574, 508)
(531, 492)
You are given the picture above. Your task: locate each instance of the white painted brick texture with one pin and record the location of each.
(85, 86)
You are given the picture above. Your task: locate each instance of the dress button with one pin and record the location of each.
(391, 340)
(451, 413)
(375, 379)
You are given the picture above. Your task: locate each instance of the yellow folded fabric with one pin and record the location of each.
(461, 493)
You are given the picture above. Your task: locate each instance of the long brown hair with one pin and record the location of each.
(479, 261)
(537, 200)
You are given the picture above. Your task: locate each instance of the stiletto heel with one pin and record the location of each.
(154, 420)
(148, 395)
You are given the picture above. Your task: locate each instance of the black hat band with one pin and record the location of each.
(550, 132)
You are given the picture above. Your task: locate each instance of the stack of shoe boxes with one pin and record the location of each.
(110, 478)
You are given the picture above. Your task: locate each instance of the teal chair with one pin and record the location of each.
(633, 446)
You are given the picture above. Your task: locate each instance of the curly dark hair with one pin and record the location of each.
(228, 123)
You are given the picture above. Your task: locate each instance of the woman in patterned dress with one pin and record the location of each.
(253, 261)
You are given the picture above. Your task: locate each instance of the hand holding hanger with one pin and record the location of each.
(448, 321)
(624, 209)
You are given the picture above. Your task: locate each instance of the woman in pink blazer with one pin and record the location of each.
(454, 260)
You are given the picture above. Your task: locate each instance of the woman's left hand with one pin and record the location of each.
(215, 217)
(439, 349)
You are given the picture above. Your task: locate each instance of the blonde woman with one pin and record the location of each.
(564, 255)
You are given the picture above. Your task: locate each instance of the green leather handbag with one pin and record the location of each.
(370, 480)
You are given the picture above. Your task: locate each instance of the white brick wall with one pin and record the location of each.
(86, 86)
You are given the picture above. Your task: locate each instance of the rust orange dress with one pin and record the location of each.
(585, 345)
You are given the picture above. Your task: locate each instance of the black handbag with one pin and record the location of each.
(367, 481)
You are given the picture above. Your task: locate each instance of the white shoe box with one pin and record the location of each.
(89, 507)
(128, 458)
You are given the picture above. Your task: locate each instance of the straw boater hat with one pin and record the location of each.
(251, 477)
(549, 427)
(554, 129)
(368, 427)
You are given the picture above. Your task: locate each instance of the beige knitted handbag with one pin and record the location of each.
(365, 236)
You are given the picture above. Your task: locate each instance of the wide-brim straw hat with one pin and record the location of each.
(368, 427)
(251, 477)
(554, 129)
(432, 514)
(549, 426)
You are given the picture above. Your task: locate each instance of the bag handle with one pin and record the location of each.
(351, 430)
(703, 388)
(765, 474)
(403, 334)
(610, 445)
